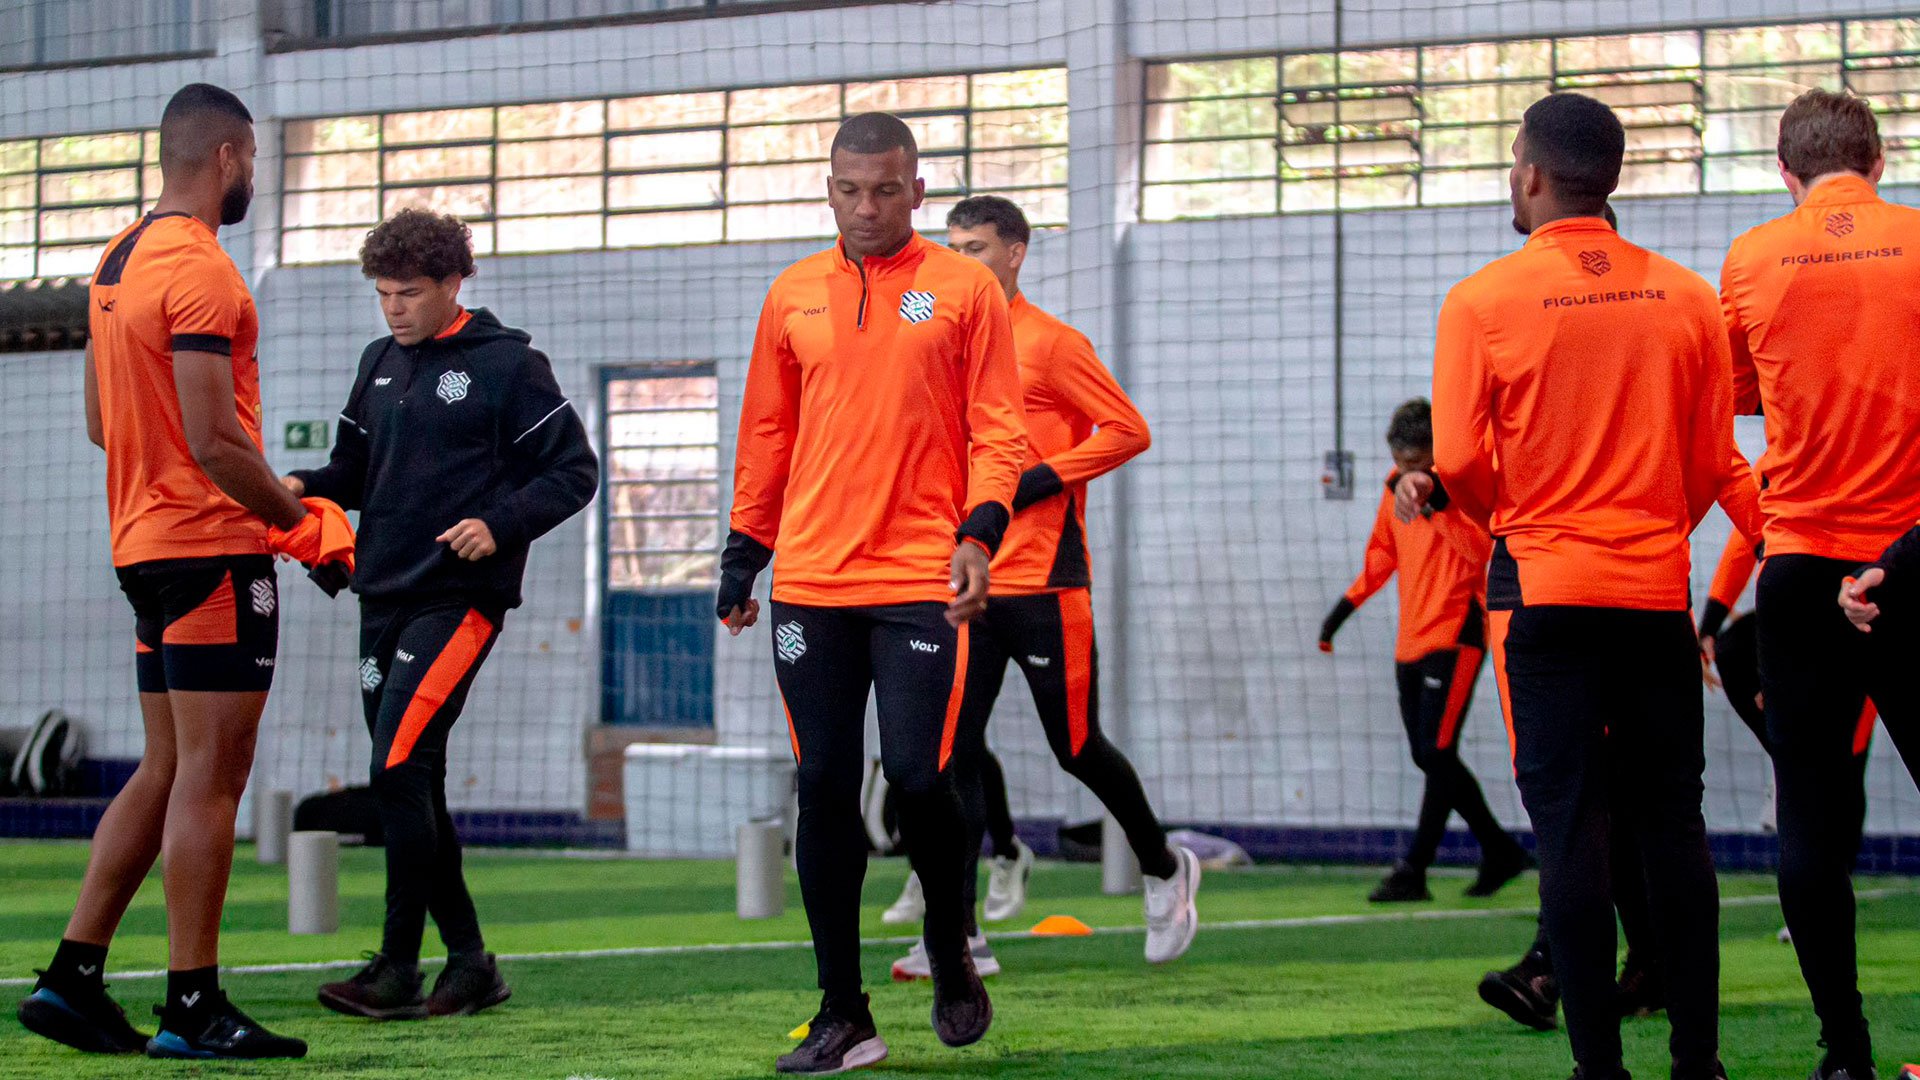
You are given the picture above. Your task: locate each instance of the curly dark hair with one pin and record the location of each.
(418, 243)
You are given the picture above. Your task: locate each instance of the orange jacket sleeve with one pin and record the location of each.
(1463, 410)
(1746, 379)
(1076, 377)
(1382, 560)
(769, 418)
(996, 426)
(1714, 465)
(1730, 577)
(1740, 498)
(1467, 537)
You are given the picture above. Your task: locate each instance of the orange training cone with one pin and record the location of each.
(1061, 926)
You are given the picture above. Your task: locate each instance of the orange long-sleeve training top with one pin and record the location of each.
(1441, 559)
(1822, 308)
(1582, 407)
(882, 406)
(1735, 568)
(1081, 425)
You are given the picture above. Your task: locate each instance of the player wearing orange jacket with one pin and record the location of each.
(1440, 558)
(880, 445)
(1582, 407)
(1080, 425)
(1822, 308)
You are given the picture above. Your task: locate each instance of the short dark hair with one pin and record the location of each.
(875, 133)
(418, 243)
(1579, 143)
(1003, 214)
(197, 120)
(1412, 426)
(1823, 132)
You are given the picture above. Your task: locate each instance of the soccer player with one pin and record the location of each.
(1582, 407)
(459, 450)
(1441, 560)
(173, 397)
(1080, 425)
(880, 447)
(1821, 306)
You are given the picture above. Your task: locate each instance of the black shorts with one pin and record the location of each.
(209, 624)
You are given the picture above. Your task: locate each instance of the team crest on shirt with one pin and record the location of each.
(1840, 224)
(370, 677)
(453, 386)
(1595, 262)
(263, 596)
(916, 307)
(789, 641)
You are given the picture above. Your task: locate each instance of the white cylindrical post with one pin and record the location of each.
(313, 882)
(272, 821)
(1119, 870)
(759, 871)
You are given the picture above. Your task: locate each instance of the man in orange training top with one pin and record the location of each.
(1441, 560)
(1582, 408)
(1822, 307)
(880, 446)
(173, 396)
(1080, 426)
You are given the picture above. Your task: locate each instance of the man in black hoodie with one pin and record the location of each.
(459, 450)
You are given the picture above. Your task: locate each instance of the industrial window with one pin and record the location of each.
(63, 198)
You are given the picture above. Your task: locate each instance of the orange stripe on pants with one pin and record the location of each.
(1076, 631)
(1497, 625)
(1458, 693)
(793, 735)
(955, 698)
(1863, 730)
(442, 678)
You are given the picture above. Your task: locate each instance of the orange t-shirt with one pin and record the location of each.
(1441, 559)
(882, 406)
(1582, 407)
(1080, 423)
(1822, 307)
(164, 285)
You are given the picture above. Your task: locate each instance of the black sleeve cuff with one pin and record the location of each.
(1439, 500)
(212, 343)
(1037, 483)
(1712, 618)
(1338, 615)
(740, 563)
(987, 524)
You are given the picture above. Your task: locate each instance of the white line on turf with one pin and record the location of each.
(1298, 922)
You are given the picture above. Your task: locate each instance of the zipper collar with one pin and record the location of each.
(909, 254)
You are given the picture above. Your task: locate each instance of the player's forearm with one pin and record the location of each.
(1111, 446)
(239, 470)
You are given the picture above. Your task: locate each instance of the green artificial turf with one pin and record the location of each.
(1376, 998)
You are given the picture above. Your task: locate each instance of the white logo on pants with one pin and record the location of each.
(263, 596)
(370, 677)
(924, 646)
(789, 641)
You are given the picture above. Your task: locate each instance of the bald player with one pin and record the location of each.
(173, 397)
(1822, 308)
(1539, 357)
(880, 446)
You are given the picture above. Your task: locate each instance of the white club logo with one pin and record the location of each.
(453, 386)
(916, 307)
(263, 596)
(789, 641)
(370, 677)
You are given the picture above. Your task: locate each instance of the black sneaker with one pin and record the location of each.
(225, 1032)
(962, 1012)
(89, 1021)
(1833, 1070)
(464, 987)
(1526, 991)
(1405, 884)
(1582, 1074)
(1497, 870)
(383, 990)
(1639, 992)
(834, 1044)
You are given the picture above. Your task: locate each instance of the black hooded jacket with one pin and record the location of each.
(468, 425)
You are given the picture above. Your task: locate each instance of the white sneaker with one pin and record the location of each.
(1172, 919)
(915, 965)
(910, 908)
(1007, 883)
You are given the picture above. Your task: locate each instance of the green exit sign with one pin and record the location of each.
(306, 435)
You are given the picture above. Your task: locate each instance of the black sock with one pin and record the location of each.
(190, 997)
(77, 965)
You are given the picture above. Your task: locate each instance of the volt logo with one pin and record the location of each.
(924, 646)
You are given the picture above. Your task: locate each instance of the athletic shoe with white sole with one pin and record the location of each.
(910, 908)
(1172, 919)
(1007, 884)
(915, 966)
(834, 1044)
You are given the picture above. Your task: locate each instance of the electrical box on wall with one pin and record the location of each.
(1337, 479)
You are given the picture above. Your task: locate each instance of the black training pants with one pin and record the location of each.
(1434, 693)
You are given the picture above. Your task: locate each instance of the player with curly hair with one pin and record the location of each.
(459, 450)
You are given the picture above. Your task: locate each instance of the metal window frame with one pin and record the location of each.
(659, 369)
(38, 205)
